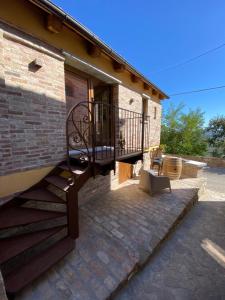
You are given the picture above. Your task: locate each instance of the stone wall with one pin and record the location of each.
(32, 104)
(124, 97)
(211, 161)
(125, 94)
(155, 122)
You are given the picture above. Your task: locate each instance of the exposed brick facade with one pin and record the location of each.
(155, 123)
(125, 95)
(76, 89)
(33, 108)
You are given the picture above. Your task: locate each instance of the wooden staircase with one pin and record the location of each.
(39, 226)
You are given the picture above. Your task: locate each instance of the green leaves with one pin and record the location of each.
(183, 133)
(216, 135)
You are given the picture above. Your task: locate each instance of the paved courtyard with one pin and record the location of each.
(191, 264)
(118, 234)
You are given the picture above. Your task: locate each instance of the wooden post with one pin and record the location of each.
(142, 134)
(72, 212)
(114, 137)
(93, 134)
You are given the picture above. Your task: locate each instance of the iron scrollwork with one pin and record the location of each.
(79, 131)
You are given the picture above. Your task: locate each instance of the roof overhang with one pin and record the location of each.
(49, 7)
(84, 66)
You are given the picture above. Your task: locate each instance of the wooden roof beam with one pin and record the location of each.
(54, 24)
(118, 67)
(146, 86)
(154, 92)
(93, 50)
(134, 78)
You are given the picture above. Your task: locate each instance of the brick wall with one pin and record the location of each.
(124, 96)
(101, 184)
(32, 105)
(155, 123)
(76, 89)
(33, 110)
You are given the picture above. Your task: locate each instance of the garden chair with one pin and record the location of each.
(156, 159)
(151, 183)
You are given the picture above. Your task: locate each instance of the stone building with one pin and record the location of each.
(48, 64)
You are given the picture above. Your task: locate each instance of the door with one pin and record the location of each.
(102, 98)
(125, 171)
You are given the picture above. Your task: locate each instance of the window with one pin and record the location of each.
(155, 112)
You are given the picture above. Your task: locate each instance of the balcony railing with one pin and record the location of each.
(101, 132)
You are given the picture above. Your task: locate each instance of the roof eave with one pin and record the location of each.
(51, 7)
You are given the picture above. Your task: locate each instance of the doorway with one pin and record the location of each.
(103, 115)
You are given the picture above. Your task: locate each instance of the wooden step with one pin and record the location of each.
(5, 200)
(24, 275)
(77, 170)
(13, 246)
(77, 162)
(59, 182)
(33, 227)
(17, 216)
(41, 195)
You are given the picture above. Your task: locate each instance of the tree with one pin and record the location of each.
(216, 135)
(183, 133)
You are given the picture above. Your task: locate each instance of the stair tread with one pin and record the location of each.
(17, 216)
(59, 182)
(78, 170)
(41, 195)
(5, 200)
(24, 275)
(13, 246)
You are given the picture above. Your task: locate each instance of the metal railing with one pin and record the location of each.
(98, 131)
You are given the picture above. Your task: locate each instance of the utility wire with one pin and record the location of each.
(198, 91)
(189, 60)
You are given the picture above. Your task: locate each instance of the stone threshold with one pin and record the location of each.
(119, 234)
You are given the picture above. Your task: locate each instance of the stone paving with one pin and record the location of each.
(191, 264)
(118, 233)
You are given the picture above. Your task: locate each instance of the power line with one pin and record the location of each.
(189, 60)
(198, 91)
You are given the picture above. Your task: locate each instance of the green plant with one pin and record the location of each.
(216, 135)
(183, 133)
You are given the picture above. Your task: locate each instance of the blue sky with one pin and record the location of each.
(153, 35)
